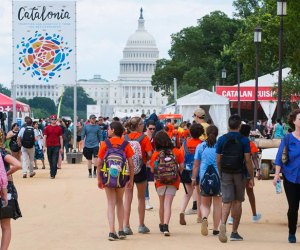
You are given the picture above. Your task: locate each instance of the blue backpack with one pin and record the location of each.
(210, 183)
(188, 157)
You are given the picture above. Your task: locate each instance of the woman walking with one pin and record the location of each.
(290, 169)
(38, 146)
(13, 144)
(205, 157)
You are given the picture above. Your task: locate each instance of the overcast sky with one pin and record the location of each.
(103, 27)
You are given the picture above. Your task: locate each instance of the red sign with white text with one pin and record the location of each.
(246, 93)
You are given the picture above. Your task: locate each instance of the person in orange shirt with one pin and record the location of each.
(115, 195)
(170, 126)
(166, 193)
(188, 151)
(136, 126)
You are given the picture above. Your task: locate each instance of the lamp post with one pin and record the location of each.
(223, 75)
(239, 87)
(257, 41)
(281, 12)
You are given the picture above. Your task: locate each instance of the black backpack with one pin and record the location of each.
(28, 137)
(232, 160)
(210, 183)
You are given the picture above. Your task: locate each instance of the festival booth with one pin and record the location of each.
(247, 92)
(6, 105)
(218, 107)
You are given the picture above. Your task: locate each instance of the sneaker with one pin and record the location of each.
(143, 229)
(161, 228)
(148, 207)
(292, 238)
(166, 230)
(191, 211)
(90, 175)
(182, 219)
(222, 234)
(127, 231)
(204, 226)
(112, 237)
(52, 177)
(230, 221)
(24, 175)
(256, 218)
(122, 235)
(216, 232)
(94, 175)
(32, 174)
(43, 167)
(235, 237)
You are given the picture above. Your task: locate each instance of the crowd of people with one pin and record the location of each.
(215, 170)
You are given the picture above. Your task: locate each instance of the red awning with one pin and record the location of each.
(6, 104)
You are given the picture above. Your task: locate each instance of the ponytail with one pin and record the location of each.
(212, 133)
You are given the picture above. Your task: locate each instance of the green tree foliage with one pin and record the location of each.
(4, 90)
(82, 101)
(40, 106)
(196, 55)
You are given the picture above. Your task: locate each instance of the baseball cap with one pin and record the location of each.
(53, 117)
(200, 113)
(92, 117)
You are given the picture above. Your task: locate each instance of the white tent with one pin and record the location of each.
(218, 107)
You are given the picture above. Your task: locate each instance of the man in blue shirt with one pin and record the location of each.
(233, 153)
(91, 136)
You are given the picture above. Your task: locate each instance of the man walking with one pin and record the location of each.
(26, 139)
(233, 153)
(53, 142)
(91, 135)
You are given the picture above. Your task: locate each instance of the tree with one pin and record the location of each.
(43, 103)
(195, 53)
(82, 101)
(4, 90)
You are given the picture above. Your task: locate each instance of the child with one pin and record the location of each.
(205, 158)
(166, 192)
(188, 151)
(115, 194)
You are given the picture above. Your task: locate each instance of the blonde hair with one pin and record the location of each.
(133, 123)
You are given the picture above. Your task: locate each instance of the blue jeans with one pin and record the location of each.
(147, 192)
(53, 153)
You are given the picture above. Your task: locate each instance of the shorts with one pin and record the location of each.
(141, 176)
(166, 190)
(233, 187)
(90, 152)
(78, 138)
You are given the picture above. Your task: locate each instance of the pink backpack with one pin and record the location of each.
(3, 175)
(137, 158)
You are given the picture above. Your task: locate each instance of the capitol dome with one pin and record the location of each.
(139, 55)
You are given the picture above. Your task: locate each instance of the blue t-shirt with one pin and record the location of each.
(207, 156)
(243, 140)
(291, 170)
(91, 135)
(278, 134)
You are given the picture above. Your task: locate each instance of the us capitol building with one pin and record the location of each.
(132, 93)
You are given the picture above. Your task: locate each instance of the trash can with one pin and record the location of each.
(74, 158)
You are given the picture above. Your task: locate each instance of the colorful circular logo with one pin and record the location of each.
(44, 56)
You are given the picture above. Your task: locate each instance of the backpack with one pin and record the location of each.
(113, 172)
(28, 137)
(210, 183)
(188, 157)
(166, 167)
(137, 158)
(232, 160)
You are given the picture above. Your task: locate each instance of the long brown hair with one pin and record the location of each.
(212, 133)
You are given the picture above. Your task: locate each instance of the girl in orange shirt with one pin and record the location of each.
(136, 127)
(165, 193)
(115, 195)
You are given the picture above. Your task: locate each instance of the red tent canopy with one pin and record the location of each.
(6, 104)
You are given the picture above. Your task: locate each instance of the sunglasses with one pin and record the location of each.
(151, 128)
(53, 119)
(200, 117)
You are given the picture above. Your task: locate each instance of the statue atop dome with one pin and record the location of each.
(141, 13)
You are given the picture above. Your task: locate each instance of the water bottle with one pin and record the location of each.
(278, 187)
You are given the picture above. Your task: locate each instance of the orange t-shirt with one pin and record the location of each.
(179, 158)
(171, 127)
(253, 148)
(191, 145)
(114, 141)
(145, 144)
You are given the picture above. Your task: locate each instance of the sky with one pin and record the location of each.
(103, 27)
